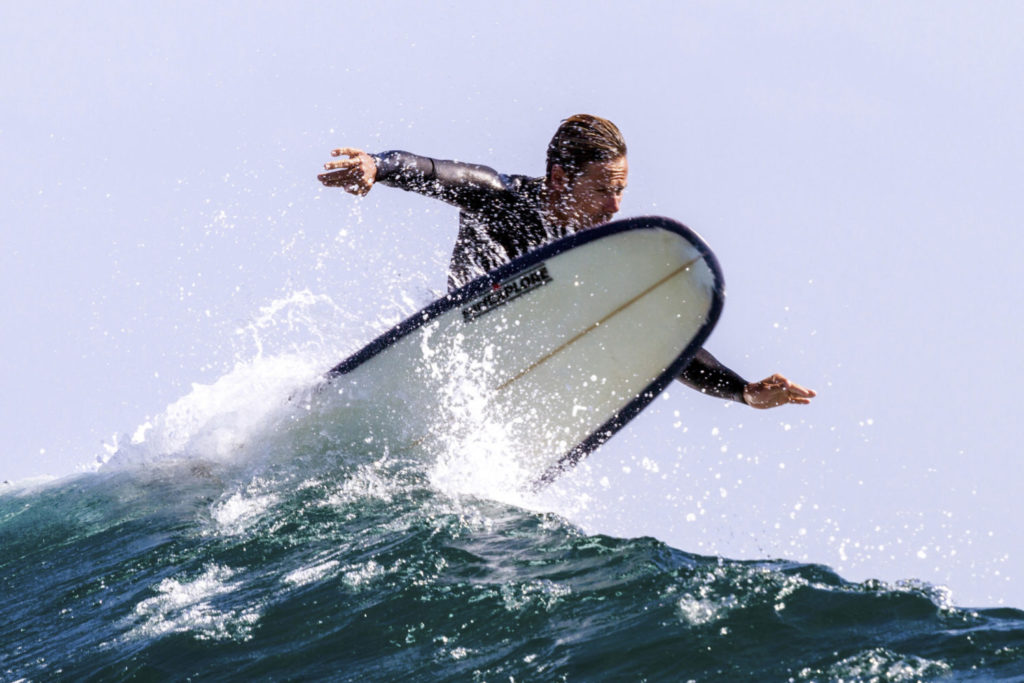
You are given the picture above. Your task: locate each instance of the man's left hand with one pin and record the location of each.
(776, 391)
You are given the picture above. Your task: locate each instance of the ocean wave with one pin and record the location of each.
(367, 570)
(269, 529)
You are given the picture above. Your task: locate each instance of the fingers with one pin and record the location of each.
(794, 390)
(798, 391)
(353, 161)
(344, 163)
(344, 180)
(331, 179)
(347, 151)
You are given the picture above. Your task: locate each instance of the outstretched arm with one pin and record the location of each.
(708, 376)
(467, 186)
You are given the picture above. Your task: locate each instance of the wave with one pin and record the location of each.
(264, 528)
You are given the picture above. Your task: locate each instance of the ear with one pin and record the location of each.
(559, 178)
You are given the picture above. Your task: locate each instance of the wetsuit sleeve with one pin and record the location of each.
(708, 376)
(467, 186)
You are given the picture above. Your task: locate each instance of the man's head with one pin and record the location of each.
(587, 170)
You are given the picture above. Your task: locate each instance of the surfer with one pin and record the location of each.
(504, 216)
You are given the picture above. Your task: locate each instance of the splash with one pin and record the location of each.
(215, 421)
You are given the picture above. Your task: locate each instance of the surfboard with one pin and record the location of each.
(555, 351)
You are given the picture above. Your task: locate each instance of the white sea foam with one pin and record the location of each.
(285, 347)
(360, 575)
(234, 514)
(312, 573)
(187, 606)
(879, 664)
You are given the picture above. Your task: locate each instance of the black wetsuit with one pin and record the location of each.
(500, 219)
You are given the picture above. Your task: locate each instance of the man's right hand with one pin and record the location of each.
(355, 174)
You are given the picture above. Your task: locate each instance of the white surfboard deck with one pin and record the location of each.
(554, 352)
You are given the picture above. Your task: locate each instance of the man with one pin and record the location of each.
(502, 217)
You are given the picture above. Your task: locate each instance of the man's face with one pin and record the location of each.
(596, 194)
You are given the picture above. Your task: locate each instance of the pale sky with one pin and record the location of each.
(855, 167)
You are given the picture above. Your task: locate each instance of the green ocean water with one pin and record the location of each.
(317, 564)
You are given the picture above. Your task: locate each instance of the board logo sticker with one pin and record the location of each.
(503, 292)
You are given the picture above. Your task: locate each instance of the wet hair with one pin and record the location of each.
(581, 139)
